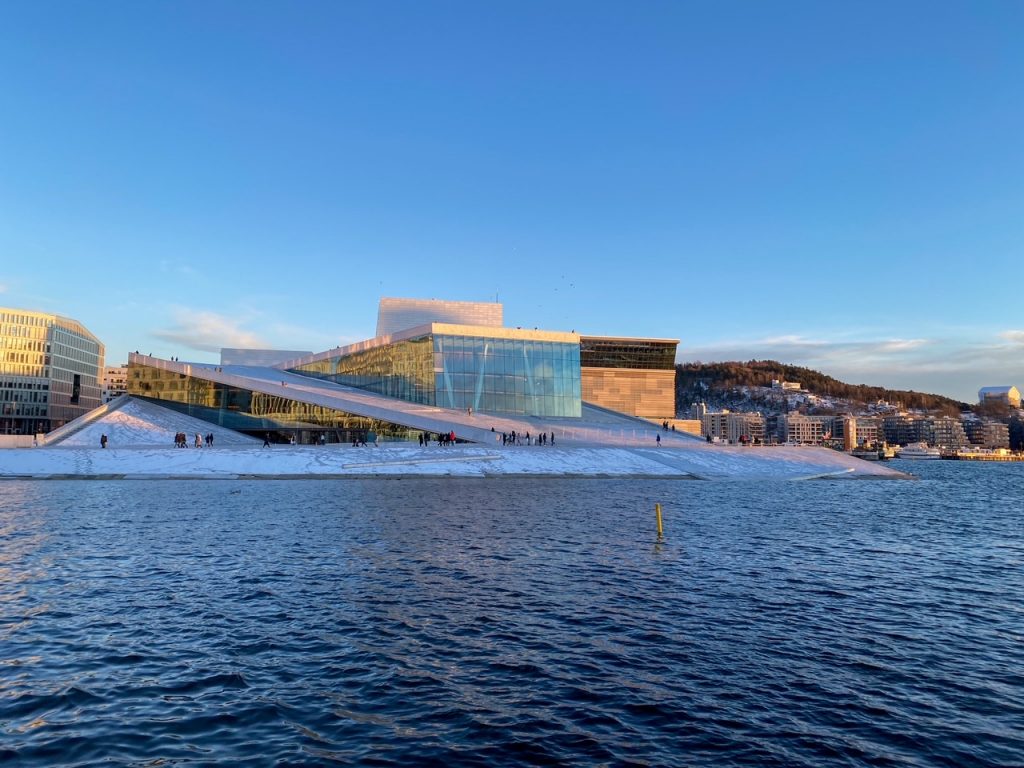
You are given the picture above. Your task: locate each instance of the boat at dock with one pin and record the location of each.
(918, 451)
(985, 454)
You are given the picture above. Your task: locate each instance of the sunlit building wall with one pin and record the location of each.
(396, 315)
(50, 371)
(630, 375)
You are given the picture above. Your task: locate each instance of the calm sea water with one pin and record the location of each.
(500, 622)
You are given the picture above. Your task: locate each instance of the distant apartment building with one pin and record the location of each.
(734, 427)
(988, 434)
(1005, 394)
(869, 431)
(942, 431)
(115, 381)
(803, 429)
(791, 386)
(715, 425)
(855, 431)
(948, 433)
(903, 430)
(50, 371)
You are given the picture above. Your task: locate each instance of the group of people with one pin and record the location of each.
(667, 427)
(515, 438)
(443, 438)
(181, 440)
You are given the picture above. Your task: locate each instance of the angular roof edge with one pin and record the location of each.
(485, 331)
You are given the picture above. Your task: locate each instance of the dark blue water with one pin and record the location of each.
(502, 622)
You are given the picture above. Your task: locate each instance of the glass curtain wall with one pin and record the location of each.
(520, 376)
(404, 370)
(628, 353)
(257, 413)
(491, 375)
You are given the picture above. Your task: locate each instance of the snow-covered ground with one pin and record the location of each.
(139, 424)
(466, 460)
(141, 437)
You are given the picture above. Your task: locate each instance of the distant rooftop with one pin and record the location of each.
(995, 390)
(394, 315)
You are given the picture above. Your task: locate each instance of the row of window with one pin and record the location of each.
(13, 396)
(648, 355)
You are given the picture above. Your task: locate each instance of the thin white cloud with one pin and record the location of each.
(1016, 337)
(208, 331)
(289, 335)
(177, 268)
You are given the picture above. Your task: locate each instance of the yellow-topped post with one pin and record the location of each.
(657, 514)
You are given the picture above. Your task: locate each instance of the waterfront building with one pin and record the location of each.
(50, 371)
(805, 430)
(869, 430)
(947, 432)
(435, 365)
(486, 368)
(903, 429)
(715, 424)
(628, 375)
(934, 430)
(848, 427)
(1004, 394)
(115, 381)
(988, 433)
(730, 427)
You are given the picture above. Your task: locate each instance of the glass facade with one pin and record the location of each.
(50, 371)
(490, 375)
(650, 354)
(404, 369)
(256, 413)
(517, 376)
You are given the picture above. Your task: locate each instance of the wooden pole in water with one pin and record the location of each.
(657, 514)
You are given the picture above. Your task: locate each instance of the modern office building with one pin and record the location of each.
(455, 357)
(50, 371)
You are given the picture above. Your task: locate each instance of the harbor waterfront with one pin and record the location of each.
(529, 621)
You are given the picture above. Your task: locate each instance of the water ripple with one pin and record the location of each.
(535, 622)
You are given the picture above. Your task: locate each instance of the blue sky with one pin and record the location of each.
(839, 185)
